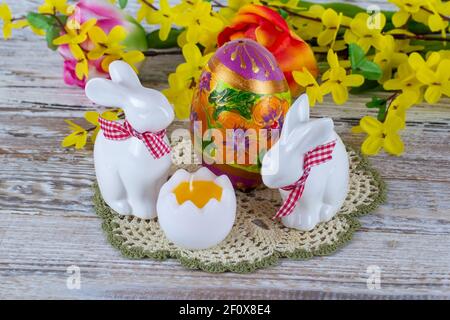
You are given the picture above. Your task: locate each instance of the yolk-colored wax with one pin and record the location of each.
(199, 192)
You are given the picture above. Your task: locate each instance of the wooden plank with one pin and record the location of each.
(37, 251)
(36, 137)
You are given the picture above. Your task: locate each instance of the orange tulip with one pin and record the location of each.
(268, 28)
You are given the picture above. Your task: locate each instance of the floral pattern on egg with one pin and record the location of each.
(241, 88)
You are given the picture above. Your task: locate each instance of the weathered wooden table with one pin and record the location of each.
(47, 222)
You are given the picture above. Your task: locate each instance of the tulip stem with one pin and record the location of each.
(161, 52)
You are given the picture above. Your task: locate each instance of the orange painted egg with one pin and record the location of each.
(238, 110)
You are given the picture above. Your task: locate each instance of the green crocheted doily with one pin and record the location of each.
(256, 241)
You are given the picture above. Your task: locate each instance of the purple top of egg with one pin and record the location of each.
(250, 60)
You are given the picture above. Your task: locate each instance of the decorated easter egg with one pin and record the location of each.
(238, 110)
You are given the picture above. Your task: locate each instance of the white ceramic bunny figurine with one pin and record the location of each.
(326, 185)
(128, 174)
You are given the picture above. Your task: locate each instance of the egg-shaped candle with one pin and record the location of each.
(196, 211)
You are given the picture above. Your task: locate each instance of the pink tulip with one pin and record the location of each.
(108, 16)
(70, 77)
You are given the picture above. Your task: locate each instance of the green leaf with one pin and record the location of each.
(370, 70)
(62, 18)
(376, 102)
(154, 42)
(283, 13)
(52, 33)
(381, 113)
(361, 65)
(123, 3)
(356, 54)
(40, 21)
(233, 100)
(380, 104)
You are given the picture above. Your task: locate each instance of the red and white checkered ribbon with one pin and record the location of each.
(154, 142)
(318, 155)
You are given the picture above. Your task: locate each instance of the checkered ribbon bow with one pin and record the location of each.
(318, 155)
(154, 142)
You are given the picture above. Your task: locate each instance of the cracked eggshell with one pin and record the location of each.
(190, 227)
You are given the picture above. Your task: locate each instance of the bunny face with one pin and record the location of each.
(283, 163)
(145, 109)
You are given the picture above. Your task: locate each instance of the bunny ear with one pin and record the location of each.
(297, 113)
(105, 92)
(302, 106)
(122, 73)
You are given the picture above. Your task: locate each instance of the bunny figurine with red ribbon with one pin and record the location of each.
(132, 157)
(309, 165)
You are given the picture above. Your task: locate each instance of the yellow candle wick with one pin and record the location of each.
(191, 184)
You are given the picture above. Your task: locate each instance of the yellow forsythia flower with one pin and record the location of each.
(428, 12)
(77, 138)
(365, 31)
(332, 22)
(82, 67)
(144, 10)
(307, 29)
(407, 9)
(75, 34)
(165, 17)
(337, 80)
(388, 59)
(312, 88)
(199, 20)
(399, 106)
(130, 57)
(106, 44)
(437, 81)
(405, 81)
(92, 117)
(445, 54)
(194, 61)
(382, 135)
(54, 6)
(417, 62)
(180, 94)
(8, 22)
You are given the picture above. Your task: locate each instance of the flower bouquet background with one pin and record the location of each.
(323, 49)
